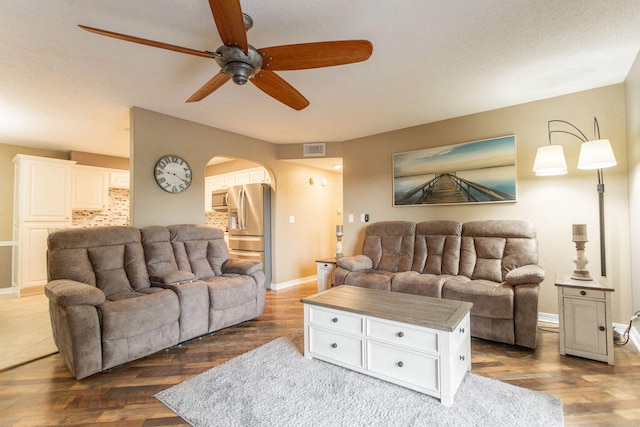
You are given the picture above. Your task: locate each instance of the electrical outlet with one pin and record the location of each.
(350, 217)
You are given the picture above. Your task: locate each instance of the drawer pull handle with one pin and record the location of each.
(583, 293)
(334, 320)
(400, 364)
(334, 345)
(462, 330)
(462, 357)
(601, 328)
(400, 334)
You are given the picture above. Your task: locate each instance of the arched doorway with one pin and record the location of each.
(238, 197)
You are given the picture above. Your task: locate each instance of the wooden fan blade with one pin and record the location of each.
(227, 15)
(210, 86)
(315, 55)
(147, 42)
(276, 87)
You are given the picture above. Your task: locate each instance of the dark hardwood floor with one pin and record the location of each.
(43, 392)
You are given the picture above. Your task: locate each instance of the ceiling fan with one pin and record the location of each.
(241, 62)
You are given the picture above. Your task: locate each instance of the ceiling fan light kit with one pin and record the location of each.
(240, 67)
(241, 62)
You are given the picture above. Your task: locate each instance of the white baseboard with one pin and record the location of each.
(11, 292)
(290, 283)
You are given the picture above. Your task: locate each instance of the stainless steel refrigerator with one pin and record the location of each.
(250, 224)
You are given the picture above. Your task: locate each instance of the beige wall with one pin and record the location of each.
(295, 246)
(99, 160)
(632, 99)
(551, 203)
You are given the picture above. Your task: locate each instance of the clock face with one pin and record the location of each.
(173, 174)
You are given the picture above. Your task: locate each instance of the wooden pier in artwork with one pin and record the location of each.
(448, 188)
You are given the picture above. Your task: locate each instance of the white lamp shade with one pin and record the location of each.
(550, 161)
(596, 154)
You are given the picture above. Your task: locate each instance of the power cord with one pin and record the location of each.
(617, 338)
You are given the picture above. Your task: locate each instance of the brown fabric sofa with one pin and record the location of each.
(117, 293)
(492, 264)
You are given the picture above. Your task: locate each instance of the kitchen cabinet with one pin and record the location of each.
(90, 187)
(42, 189)
(119, 179)
(224, 181)
(42, 203)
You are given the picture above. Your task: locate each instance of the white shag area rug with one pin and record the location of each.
(274, 385)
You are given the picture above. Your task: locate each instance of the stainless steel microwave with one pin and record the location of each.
(219, 200)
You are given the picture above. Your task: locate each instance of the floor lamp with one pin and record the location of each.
(595, 154)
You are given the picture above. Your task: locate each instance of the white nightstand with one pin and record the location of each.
(584, 312)
(325, 268)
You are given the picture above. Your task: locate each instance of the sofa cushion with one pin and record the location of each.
(490, 299)
(133, 313)
(374, 279)
(97, 255)
(200, 249)
(157, 250)
(231, 290)
(412, 282)
(437, 247)
(390, 245)
(490, 249)
(108, 266)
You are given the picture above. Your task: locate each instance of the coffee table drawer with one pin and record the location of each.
(340, 348)
(335, 319)
(420, 370)
(403, 335)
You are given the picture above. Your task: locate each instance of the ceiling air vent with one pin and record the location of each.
(314, 150)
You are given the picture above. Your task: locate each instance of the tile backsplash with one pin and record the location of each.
(117, 213)
(219, 219)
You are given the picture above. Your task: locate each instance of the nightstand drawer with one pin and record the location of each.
(586, 293)
(335, 319)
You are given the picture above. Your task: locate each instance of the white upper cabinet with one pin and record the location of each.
(90, 188)
(42, 189)
(119, 179)
(226, 180)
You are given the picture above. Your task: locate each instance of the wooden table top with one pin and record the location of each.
(435, 313)
(598, 283)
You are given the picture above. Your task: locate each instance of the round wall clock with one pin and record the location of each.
(172, 174)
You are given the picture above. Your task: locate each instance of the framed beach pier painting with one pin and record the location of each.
(472, 172)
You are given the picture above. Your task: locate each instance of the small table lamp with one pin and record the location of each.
(580, 238)
(339, 235)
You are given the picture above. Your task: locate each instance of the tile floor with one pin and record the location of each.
(25, 330)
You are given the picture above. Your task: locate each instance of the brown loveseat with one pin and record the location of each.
(120, 293)
(492, 264)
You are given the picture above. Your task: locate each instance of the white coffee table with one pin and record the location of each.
(418, 342)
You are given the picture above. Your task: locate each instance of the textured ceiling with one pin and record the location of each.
(63, 88)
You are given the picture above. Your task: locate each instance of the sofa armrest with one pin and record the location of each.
(355, 263)
(174, 277)
(527, 274)
(68, 293)
(241, 266)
